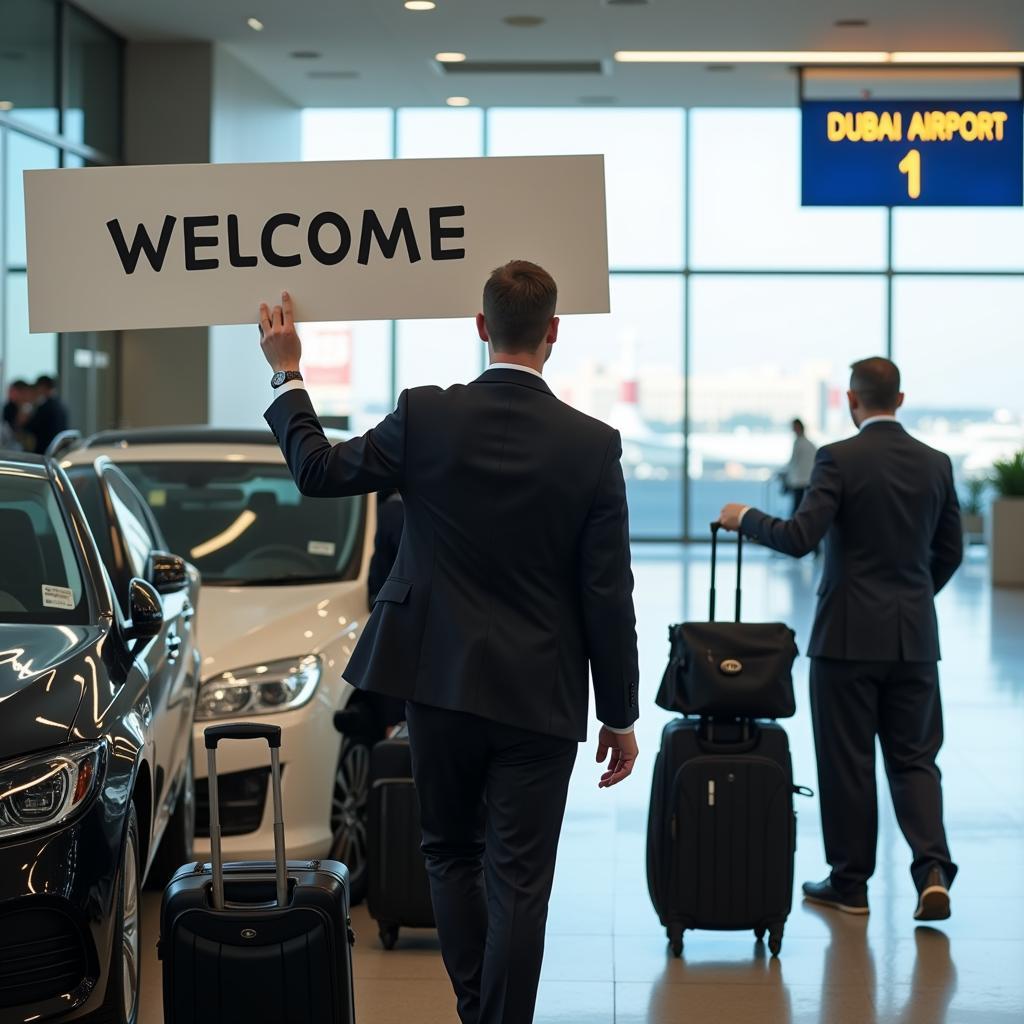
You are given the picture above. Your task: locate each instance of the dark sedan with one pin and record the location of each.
(98, 677)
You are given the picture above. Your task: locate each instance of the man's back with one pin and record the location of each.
(513, 569)
(889, 506)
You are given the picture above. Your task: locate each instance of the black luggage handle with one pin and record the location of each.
(242, 731)
(245, 731)
(715, 527)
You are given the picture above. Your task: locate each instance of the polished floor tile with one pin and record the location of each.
(606, 958)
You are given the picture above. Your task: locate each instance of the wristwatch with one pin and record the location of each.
(283, 376)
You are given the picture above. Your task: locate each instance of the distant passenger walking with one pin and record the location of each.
(797, 473)
(512, 580)
(886, 505)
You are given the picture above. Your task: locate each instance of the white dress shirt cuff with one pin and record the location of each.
(746, 509)
(619, 732)
(292, 385)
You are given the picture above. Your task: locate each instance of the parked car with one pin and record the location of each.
(284, 581)
(98, 680)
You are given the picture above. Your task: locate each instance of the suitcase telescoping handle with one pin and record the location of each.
(246, 731)
(715, 527)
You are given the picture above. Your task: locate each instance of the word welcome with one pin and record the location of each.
(923, 126)
(284, 240)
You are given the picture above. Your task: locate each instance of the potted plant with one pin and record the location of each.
(1006, 542)
(971, 518)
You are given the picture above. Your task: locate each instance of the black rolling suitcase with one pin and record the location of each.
(399, 891)
(258, 942)
(721, 834)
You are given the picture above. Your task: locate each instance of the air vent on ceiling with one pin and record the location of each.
(523, 67)
(597, 101)
(523, 20)
(332, 74)
(627, 3)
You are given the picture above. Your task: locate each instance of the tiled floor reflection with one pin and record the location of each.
(606, 960)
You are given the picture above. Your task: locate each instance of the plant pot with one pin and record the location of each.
(1006, 542)
(973, 525)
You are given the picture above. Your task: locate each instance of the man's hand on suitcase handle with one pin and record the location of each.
(621, 751)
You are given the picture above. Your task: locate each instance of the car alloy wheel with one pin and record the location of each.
(349, 807)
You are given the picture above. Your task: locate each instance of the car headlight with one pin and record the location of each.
(45, 790)
(259, 689)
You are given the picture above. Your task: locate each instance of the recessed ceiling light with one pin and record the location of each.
(6, 105)
(457, 101)
(306, 55)
(452, 57)
(848, 58)
(523, 20)
(255, 24)
(749, 57)
(852, 23)
(419, 5)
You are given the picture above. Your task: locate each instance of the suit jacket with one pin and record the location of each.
(887, 509)
(46, 422)
(513, 570)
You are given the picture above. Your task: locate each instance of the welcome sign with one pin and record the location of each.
(191, 245)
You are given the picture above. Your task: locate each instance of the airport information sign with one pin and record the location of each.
(924, 153)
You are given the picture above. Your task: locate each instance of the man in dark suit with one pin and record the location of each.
(887, 508)
(513, 574)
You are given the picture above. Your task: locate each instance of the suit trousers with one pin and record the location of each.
(852, 702)
(492, 799)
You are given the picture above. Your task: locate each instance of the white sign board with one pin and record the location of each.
(196, 244)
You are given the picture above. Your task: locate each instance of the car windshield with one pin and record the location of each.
(246, 523)
(40, 577)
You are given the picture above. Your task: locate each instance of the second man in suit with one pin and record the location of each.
(887, 509)
(512, 578)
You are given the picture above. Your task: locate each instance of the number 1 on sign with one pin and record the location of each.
(910, 165)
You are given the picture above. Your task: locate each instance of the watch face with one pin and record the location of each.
(278, 379)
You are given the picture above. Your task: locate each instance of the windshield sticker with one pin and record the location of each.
(321, 547)
(58, 597)
(157, 498)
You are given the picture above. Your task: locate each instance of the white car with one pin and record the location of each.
(284, 596)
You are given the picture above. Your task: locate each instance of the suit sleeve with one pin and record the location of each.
(803, 533)
(948, 540)
(373, 462)
(606, 584)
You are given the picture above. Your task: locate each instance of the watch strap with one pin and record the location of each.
(283, 377)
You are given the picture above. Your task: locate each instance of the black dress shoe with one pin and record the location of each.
(933, 902)
(828, 896)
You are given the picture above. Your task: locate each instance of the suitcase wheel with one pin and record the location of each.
(389, 935)
(759, 934)
(775, 941)
(675, 939)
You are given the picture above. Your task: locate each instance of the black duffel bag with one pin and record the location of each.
(742, 669)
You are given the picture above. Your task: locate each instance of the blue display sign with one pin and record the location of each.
(924, 153)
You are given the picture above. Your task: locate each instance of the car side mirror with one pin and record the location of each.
(168, 573)
(145, 609)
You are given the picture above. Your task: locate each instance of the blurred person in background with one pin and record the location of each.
(16, 410)
(49, 417)
(797, 473)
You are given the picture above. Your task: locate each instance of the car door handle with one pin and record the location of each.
(173, 648)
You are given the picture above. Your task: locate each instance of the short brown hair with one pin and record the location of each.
(876, 382)
(519, 302)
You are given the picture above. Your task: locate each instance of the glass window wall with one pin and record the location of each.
(734, 310)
